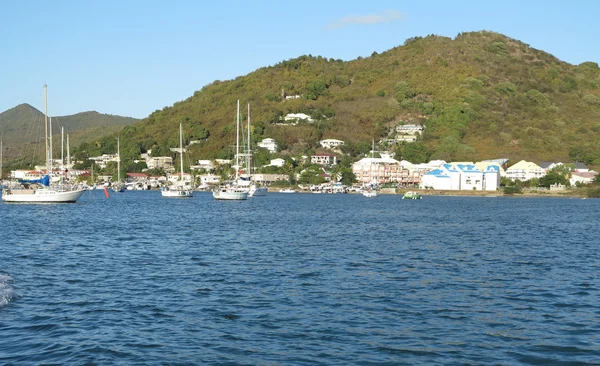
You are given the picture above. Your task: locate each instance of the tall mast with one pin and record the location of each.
(181, 150)
(62, 147)
(46, 126)
(50, 137)
(248, 149)
(118, 160)
(1, 151)
(68, 153)
(237, 142)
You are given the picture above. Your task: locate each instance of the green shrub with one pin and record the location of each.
(512, 190)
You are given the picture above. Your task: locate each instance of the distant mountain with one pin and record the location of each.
(481, 95)
(23, 125)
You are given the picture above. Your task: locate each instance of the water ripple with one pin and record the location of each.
(300, 279)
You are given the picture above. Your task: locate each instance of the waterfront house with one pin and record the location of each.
(524, 170)
(267, 179)
(384, 170)
(136, 177)
(582, 177)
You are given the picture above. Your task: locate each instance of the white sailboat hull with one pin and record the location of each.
(230, 195)
(372, 193)
(258, 191)
(177, 193)
(41, 195)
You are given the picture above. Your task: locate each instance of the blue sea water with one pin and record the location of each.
(300, 279)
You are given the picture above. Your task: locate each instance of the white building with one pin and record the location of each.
(174, 177)
(409, 129)
(323, 159)
(164, 162)
(203, 164)
(384, 170)
(102, 160)
(269, 144)
(406, 138)
(524, 170)
(269, 178)
(209, 179)
(277, 162)
(331, 143)
(585, 177)
(462, 177)
(298, 117)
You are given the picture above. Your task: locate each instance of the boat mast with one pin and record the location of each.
(248, 149)
(181, 150)
(237, 142)
(50, 137)
(68, 154)
(46, 128)
(62, 148)
(1, 151)
(118, 161)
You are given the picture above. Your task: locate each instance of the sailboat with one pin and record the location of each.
(371, 190)
(233, 191)
(118, 186)
(42, 190)
(254, 190)
(180, 190)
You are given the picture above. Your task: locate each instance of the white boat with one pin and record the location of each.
(233, 191)
(370, 193)
(42, 190)
(287, 190)
(410, 195)
(257, 191)
(230, 193)
(181, 190)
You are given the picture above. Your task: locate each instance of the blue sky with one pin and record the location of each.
(131, 57)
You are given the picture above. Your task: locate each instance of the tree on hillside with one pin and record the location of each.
(416, 153)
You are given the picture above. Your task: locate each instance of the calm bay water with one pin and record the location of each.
(300, 279)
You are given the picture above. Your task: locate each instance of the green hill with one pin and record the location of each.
(481, 95)
(22, 128)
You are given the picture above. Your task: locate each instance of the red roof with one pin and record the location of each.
(138, 175)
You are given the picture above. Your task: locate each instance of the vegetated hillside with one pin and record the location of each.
(22, 128)
(481, 95)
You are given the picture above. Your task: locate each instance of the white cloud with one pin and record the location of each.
(383, 17)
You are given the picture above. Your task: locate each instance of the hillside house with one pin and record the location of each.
(331, 143)
(277, 162)
(102, 160)
(323, 159)
(296, 117)
(269, 144)
(160, 162)
(410, 129)
(203, 164)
